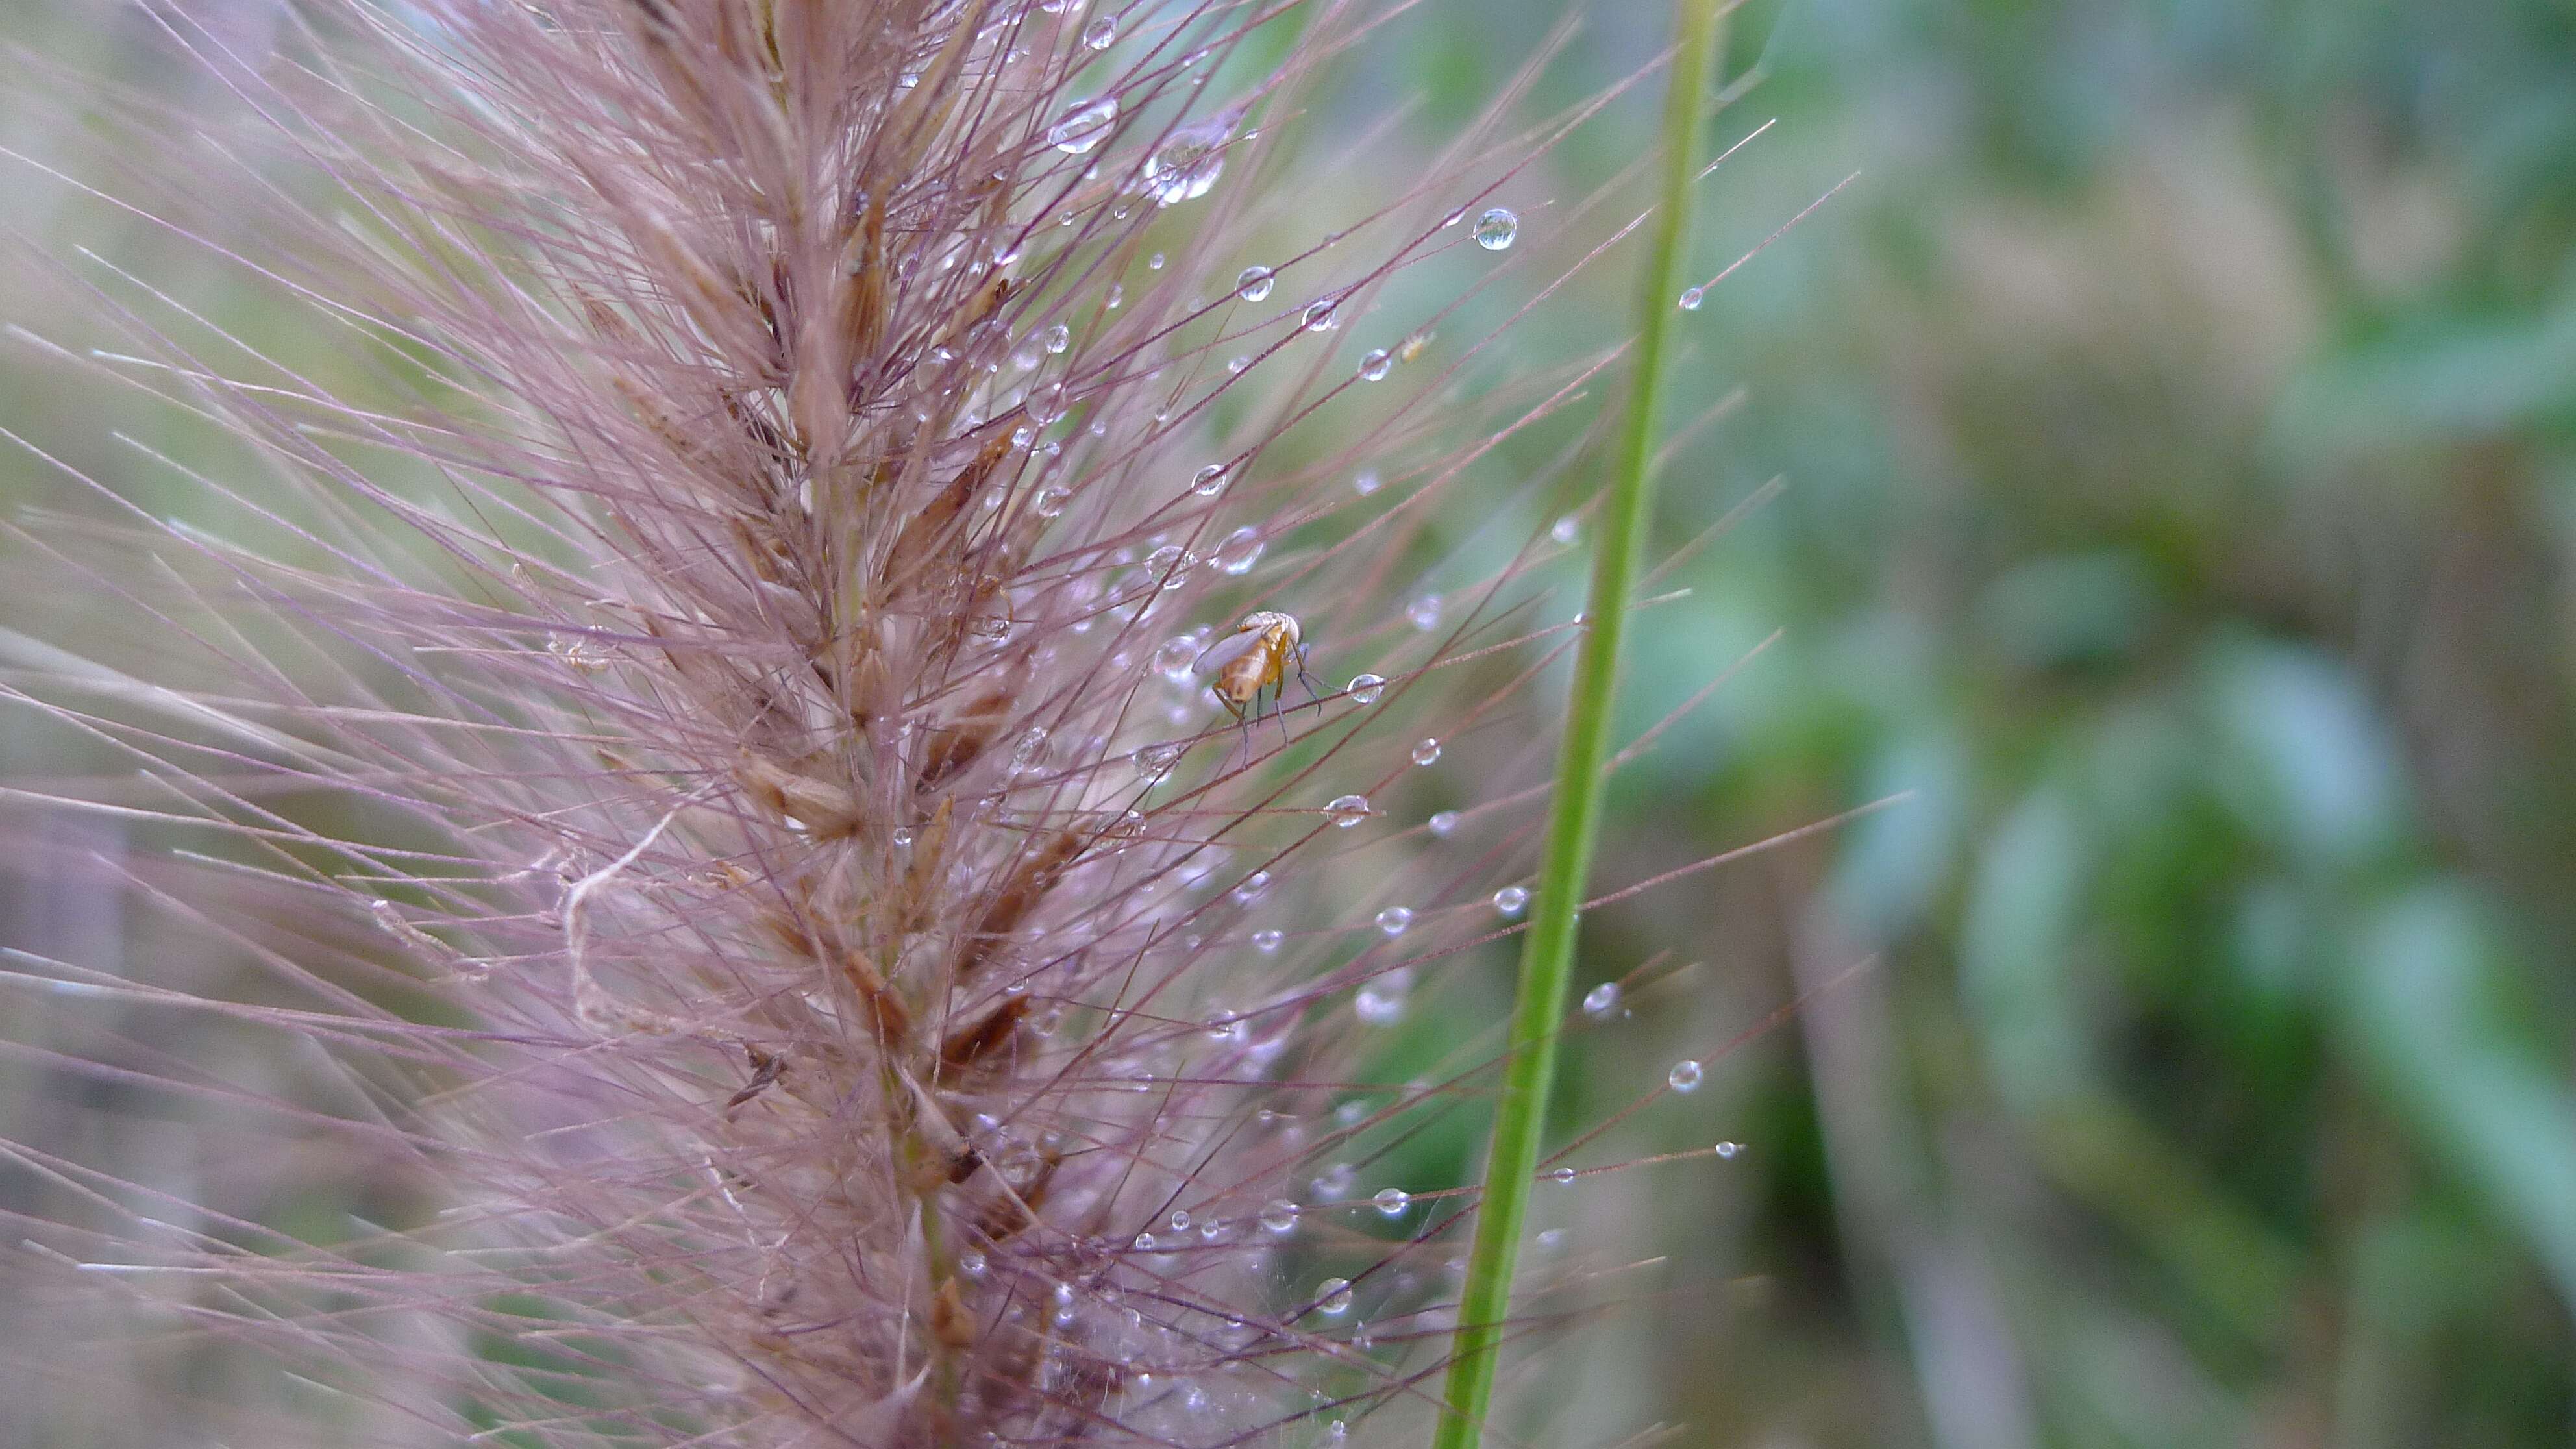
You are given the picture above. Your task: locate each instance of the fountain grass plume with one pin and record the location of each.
(672, 843)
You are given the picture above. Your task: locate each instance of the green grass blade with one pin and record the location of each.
(1547, 954)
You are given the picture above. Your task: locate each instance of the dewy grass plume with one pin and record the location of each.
(684, 744)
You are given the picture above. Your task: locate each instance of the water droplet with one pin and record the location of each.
(1426, 752)
(1180, 1220)
(1030, 752)
(1394, 919)
(1154, 263)
(1373, 367)
(1565, 530)
(1057, 338)
(1237, 363)
(1562, 1177)
(1279, 1217)
(1174, 656)
(1365, 482)
(1333, 1297)
(1026, 357)
(1496, 229)
(1116, 293)
(1334, 1183)
(1511, 900)
(971, 1263)
(1392, 1201)
(1601, 1000)
(1551, 1240)
(1266, 942)
(1381, 1002)
(1691, 298)
(1045, 405)
(1209, 481)
(902, 839)
(1050, 502)
(1442, 824)
(1101, 33)
(1252, 888)
(1729, 1149)
(1145, 1242)
(1253, 283)
(1348, 810)
(1453, 218)
(1365, 688)
(1186, 166)
(1170, 564)
(1684, 1076)
(1424, 612)
(1153, 762)
(1240, 551)
(1084, 127)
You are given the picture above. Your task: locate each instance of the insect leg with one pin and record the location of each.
(1307, 679)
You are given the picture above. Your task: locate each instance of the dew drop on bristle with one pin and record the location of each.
(1380, 1002)
(1348, 810)
(1729, 1149)
(1565, 530)
(1601, 1000)
(1365, 482)
(1426, 752)
(1208, 481)
(1453, 218)
(1279, 1217)
(1240, 551)
(1365, 688)
(1392, 1201)
(1333, 1297)
(1691, 298)
(1320, 315)
(1057, 338)
(1394, 919)
(1497, 229)
(1562, 1176)
(1511, 900)
(1684, 1076)
(1443, 824)
(1084, 127)
(1253, 283)
(1174, 656)
(1237, 363)
(1030, 752)
(1373, 367)
(1050, 502)
(1252, 887)
(1026, 357)
(1424, 612)
(1266, 942)
(1100, 34)
(1155, 761)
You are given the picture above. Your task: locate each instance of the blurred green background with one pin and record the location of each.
(2181, 505)
(2178, 424)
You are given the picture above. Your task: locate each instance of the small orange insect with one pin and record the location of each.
(1255, 657)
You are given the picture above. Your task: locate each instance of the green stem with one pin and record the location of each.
(1547, 953)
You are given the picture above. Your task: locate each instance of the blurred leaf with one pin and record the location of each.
(2428, 1011)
